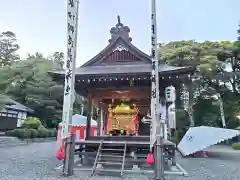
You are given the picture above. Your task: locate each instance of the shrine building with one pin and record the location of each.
(117, 81)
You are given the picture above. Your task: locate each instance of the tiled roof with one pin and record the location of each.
(123, 69)
(17, 106)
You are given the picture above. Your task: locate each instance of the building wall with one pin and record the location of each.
(21, 115)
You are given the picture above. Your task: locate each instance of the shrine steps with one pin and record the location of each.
(110, 160)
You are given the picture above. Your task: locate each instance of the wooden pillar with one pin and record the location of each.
(68, 163)
(98, 122)
(190, 106)
(101, 121)
(89, 117)
(105, 120)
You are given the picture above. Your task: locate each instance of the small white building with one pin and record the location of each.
(13, 115)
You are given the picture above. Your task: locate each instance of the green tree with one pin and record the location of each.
(58, 57)
(29, 83)
(212, 60)
(8, 48)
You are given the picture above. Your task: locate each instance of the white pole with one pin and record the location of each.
(155, 119)
(72, 23)
(154, 76)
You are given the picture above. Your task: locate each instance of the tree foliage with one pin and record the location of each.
(58, 57)
(28, 83)
(217, 65)
(8, 48)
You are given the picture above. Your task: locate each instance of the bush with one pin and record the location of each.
(52, 133)
(33, 133)
(32, 123)
(43, 132)
(20, 133)
(9, 133)
(236, 146)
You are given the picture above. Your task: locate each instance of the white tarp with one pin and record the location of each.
(199, 138)
(79, 120)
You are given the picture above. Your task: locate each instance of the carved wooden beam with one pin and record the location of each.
(118, 88)
(121, 95)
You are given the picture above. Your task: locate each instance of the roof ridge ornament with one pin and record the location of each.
(120, 48)
(120, 31)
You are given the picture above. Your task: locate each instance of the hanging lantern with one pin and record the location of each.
(131, 82)
(170, 94)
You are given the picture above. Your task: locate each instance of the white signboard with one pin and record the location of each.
(72, 13)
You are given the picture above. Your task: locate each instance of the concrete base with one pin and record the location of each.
(173, 171)
(99, 166)
(136, 168)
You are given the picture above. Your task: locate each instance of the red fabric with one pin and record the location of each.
(82, 130)
(135, 121)
(60, 155)
(109, 123)
(135, 118)
(200, 153)
(150, 159)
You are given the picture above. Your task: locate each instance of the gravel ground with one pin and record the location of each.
(37, 161)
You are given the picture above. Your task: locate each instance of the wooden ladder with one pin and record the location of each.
(96, 159)
(124, 158)
(101, 154)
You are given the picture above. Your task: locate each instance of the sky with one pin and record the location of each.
(40, 25)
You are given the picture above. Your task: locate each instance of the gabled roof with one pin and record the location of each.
(119, 37)
(122, 57)
(119, 41)
(14, 105)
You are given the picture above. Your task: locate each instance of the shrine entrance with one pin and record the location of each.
(122, 119)
(124, 110)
